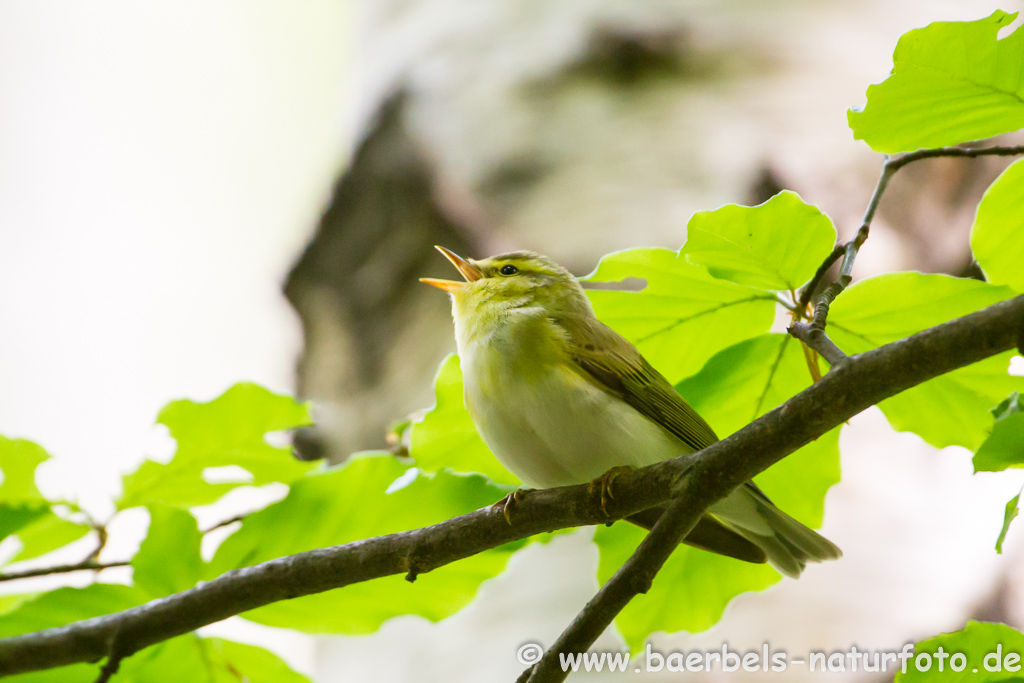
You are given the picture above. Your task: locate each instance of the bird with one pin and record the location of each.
(560, 399)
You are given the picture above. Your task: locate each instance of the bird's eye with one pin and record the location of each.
(509, 270)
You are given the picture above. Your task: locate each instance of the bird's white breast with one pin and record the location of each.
(547, 424)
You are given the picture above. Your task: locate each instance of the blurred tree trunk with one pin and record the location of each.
(372, 332)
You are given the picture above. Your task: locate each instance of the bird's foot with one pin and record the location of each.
(509, 502)
(604, 482)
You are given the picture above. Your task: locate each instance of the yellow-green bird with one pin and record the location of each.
(561, 399)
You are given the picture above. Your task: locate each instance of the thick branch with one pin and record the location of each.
(707, 476)
(632, 578)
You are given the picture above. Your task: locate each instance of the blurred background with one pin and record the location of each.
(198, 193)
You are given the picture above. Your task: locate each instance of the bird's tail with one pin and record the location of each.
(788, 544)
(709, 534)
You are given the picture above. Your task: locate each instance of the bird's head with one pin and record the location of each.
(521, 279)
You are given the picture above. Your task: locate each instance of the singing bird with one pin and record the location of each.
(561, 399)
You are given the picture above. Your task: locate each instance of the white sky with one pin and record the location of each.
(161, 167)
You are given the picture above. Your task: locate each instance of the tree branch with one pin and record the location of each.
(848, 251)
(704, 477)
(889, 168)
(813, 333)
(632, 578)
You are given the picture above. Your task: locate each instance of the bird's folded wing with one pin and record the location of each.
(614, 364)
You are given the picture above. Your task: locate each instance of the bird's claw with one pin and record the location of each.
(508, 503)
(604, 482)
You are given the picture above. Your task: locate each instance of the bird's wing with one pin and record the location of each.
(610, 361)
(615, 365)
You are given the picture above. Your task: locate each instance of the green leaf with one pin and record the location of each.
(996, 237)
(14, 517)
(23, 509)
(18, 461)
(445, 436)
(1004, 447)
(169, 560)
(371, 495)
(1012, 510)
(212, 660)
(1011, 405)
(21, 503)
(951, 409)
(46, 534)
(76, 673)
(976, 641)
(744, 382)
(252, 664)
(735, 387)
(180, 659)
(777, 245)
(65, 605)
(186, 658)
(229, 430)
(683, 316)
(951, 82)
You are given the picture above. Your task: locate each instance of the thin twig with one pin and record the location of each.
(963, 152)
(101, 534)
(848, 251)
(226, 522)
(85, 565)
(90, 563)
(889, 169)
(808, 290)
(813, 334)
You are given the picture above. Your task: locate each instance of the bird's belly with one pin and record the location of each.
(554, 428)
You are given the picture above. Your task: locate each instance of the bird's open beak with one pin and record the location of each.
(468, 269)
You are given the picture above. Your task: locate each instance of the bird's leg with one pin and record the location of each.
(509, 502)
(604, 482)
